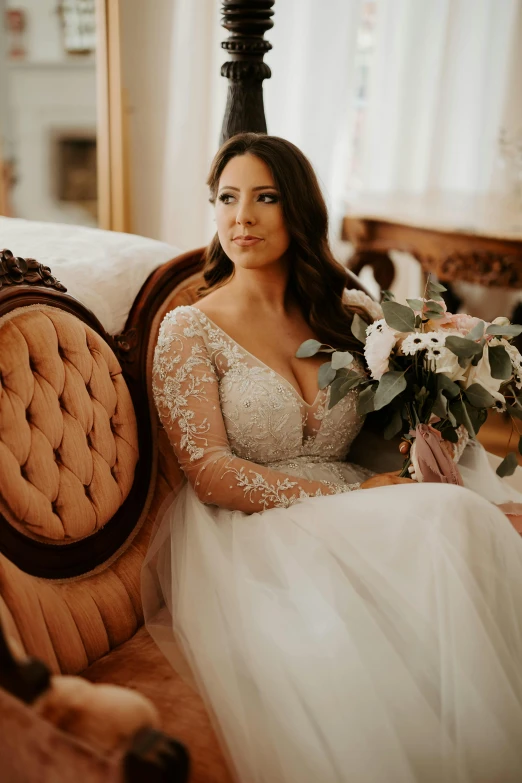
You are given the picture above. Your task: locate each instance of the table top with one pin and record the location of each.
(450, 212)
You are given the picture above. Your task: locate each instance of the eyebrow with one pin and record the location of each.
(259, 187)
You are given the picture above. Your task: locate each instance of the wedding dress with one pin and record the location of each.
(336, 634)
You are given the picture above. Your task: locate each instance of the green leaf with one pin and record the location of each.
(438, 287)
(387, 295)
(341, 359)
(365, 401)
(325, 375)
(391, 384)
(436, 308)
(415, 304)
(461, 415)
(500, 363)
(399, 316)
(508, 465)
(359, 328)
(432, 293)
(394, 426)
(449, 433)
(513, 410)
(308, 348)
(418, 321)
(462, 347)
(433, 314)
(340, 387)
(511, 330)
(441, 406)
(479, 397)
(477, 416)
(447, 385)
(477, 333)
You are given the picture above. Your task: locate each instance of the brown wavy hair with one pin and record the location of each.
(316, 280)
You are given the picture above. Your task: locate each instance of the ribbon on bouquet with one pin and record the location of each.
(431, 462)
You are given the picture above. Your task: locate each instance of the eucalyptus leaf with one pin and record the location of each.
(515, 411)
(433, 315)
(440, 407)
(399, 316)
(500, 363)
(510, 330)
(477, 416)
(391, 384)
(365, 401)
(415, 304)
(340, 387)
(435, 307)
(447, 385)
(325, 375)
(448, 433)
(341, 359)
(477, 333)
(508, 465)
(387, 295)
(461, 415)
(438, 287)
(394, 425)
(308, 348)
(359, 328)
(462, 347)
(479, 397)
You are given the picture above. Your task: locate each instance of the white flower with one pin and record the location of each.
(356, 298)
(501, 321)
(380, 341)
(482, 374)
(443, 360)
(412, 343)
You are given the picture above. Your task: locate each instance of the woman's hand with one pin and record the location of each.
(385, 480)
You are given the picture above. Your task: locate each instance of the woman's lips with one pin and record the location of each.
(246, 241)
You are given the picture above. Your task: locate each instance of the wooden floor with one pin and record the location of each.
(498, 436)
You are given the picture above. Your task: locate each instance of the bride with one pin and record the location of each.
(341, 626)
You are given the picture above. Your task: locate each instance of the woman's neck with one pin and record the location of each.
(261, 290)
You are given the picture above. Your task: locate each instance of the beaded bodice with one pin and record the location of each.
(212, 395)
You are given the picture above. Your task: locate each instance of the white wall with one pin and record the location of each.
(43, 35)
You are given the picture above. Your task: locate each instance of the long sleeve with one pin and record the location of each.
(186, 393)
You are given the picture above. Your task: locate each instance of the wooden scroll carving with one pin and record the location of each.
(246, 21)
(19, 271)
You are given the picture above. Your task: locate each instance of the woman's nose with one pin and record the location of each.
(244, 215)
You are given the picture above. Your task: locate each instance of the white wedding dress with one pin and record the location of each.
(336, 634)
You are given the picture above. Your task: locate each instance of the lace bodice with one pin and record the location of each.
(235, 423)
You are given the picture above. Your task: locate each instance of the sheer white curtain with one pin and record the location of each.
(437, 94)
(307, 101)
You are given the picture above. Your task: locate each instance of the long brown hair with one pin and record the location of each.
(316, 280)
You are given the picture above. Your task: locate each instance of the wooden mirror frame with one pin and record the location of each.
(112, 149)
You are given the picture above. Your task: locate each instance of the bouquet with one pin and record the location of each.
(433, 374)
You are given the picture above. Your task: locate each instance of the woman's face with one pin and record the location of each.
(250, 223)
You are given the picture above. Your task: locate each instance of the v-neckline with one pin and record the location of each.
(267, 366)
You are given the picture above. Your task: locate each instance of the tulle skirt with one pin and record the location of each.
(368, 637)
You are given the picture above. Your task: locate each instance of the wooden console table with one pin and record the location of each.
(474, 239)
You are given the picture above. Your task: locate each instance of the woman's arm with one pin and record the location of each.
(186, 393)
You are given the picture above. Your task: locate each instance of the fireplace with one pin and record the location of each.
(74, 169)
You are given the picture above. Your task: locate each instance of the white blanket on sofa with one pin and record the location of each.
(103, 269)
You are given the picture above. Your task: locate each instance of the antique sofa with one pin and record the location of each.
(84, 468)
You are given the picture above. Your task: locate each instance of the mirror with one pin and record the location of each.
(49, 141)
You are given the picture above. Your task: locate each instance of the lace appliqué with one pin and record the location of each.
(180, 385)
(272, 494)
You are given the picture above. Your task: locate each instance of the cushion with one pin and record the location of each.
(104, 270)
(140, 665)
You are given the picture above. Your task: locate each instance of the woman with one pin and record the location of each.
(341, 627)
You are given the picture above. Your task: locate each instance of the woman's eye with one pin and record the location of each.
(225, 197)
(268, 198)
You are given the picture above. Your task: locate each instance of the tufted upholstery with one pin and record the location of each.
(68, 438)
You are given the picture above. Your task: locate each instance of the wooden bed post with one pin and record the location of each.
(246, 22)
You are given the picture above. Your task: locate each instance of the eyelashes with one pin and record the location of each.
(263, 198)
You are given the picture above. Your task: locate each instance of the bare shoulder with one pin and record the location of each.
(216, 306)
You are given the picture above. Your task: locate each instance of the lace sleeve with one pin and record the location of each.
(186, 393)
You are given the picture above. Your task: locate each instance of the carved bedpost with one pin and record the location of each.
(246, 21)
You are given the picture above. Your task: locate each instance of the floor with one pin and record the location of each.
(498, 436)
